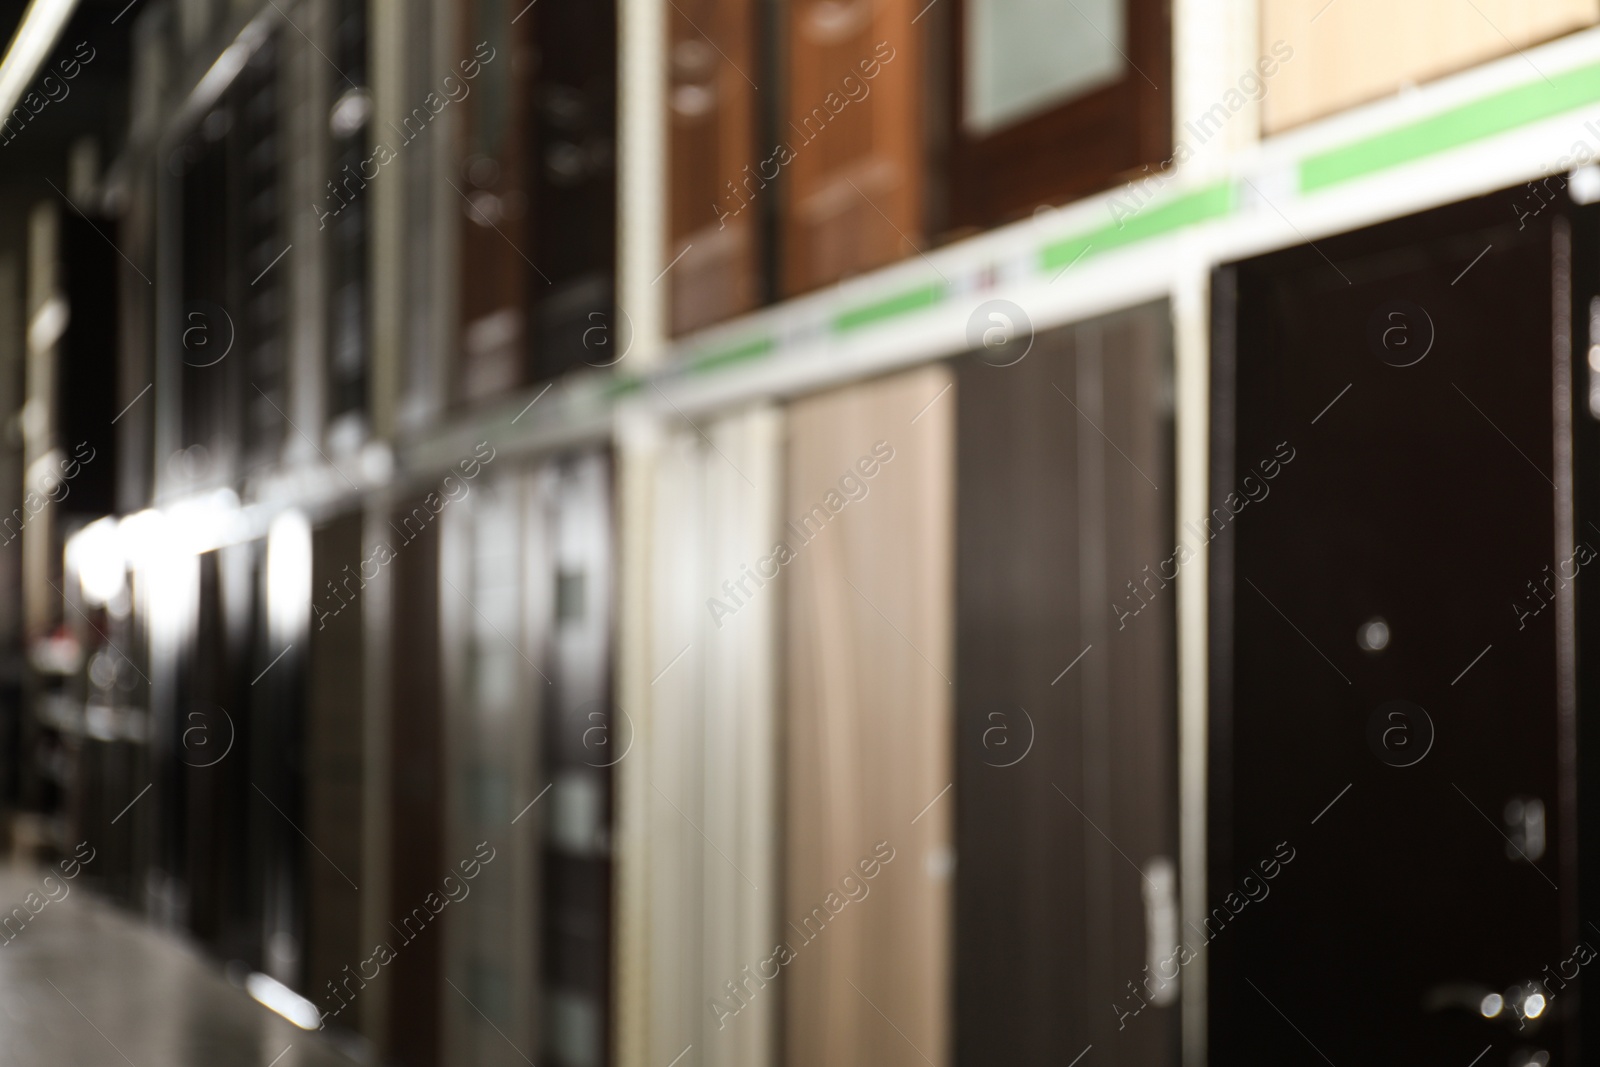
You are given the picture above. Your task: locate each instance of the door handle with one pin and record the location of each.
(1160, 929)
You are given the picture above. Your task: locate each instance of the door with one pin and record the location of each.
(712, 121)
(1066, 702)
(1392, 549)
(850, 147)
(570, 550)
(335, 746)
(416, 785)
(494, 603)
(709, 744)
(865, 554)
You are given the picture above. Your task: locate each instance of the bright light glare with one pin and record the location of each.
(141, 536)
(95, 552)
(203, 523)
(1533, 1007)
(168, 576)
(1491, 1005)
(41, 26)
(288, 575)
(271, 993)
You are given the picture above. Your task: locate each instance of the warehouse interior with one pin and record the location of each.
(799, 533)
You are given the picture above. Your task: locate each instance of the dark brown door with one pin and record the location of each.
(334, 747)
(1066, 823)
(417, 788)
(1051, 101)
(715, 166)
(1391, 646)
(495, 188)
(535, 182)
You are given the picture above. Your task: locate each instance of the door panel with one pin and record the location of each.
(711, 745)
(572, 543)
(1066, 700)
(535, 182)
(866, 910)
(417, 786)
(1388, 495)
(1344, 63)
(493, 618)
(852, 143)
(1051, 101)
(334, 752)
(711, 116)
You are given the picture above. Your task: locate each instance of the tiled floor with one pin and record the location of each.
(85, 985)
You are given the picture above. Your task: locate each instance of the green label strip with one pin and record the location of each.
(1450, 129)
(754, 348)
(901, 303)
(1209, 202)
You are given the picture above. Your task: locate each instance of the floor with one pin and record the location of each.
(85, 984)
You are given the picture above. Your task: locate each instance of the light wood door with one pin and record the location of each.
(866, 906)
(1360, 50)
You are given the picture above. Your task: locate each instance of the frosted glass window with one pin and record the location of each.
(1027, 56)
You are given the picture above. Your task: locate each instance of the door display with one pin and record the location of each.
(866, 559)
(710, 744)
(1066, 716)
(1393, 553)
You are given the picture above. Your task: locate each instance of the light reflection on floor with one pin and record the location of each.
(88, 985)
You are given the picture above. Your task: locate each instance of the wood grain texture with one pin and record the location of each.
(714, 831)
(1066, 706)
(1360, 50)
(853, 192)
(711, 131)
(868, 726)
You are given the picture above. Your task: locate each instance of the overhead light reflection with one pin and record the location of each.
(36, 35)
(288, 575)
(95, 553)
(273, 994)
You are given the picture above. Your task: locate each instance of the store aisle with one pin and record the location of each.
(83, 983)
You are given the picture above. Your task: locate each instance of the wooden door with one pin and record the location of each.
(494, 185)
(710, 743)
(1066, 724)
(1049, 101)
(417, 789)
(1343, 63)
(492, 617)
(580, 740)
(712, 132)
(850, 144)
(335, 751)
(865, 944)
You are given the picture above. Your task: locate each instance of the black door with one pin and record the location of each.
(1392, 872)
